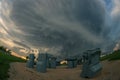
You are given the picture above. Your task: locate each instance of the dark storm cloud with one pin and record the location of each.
(69, 26)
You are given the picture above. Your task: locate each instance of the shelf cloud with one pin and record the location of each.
(65, 27)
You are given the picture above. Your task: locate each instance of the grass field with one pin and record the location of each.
(4, 64)
(114, 56)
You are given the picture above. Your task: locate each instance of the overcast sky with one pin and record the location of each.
(59, 26)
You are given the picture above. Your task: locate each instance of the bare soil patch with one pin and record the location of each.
(19, 71)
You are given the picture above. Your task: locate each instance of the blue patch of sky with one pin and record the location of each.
(109, 4)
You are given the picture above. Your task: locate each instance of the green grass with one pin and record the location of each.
(114, 56)
(5, 60)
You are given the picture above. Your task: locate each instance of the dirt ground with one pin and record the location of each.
(19, 71)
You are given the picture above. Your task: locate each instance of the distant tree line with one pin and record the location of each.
(5, 50)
